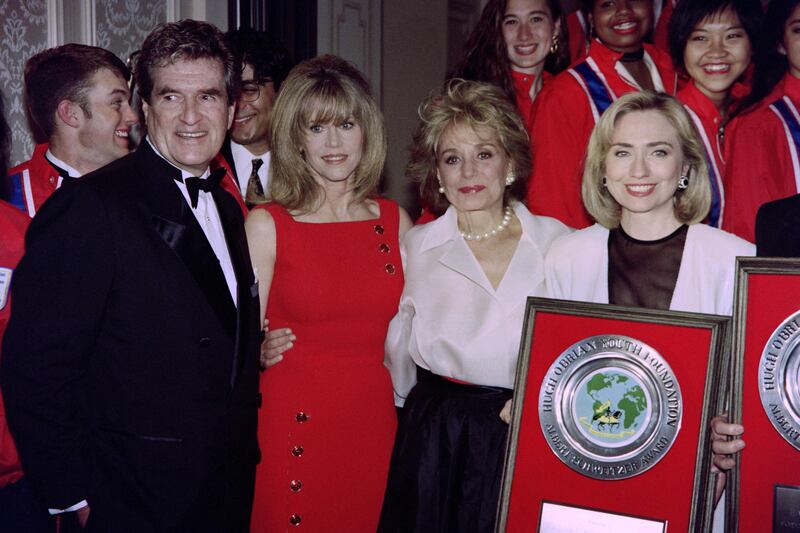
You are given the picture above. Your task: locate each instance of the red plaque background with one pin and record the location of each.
(768, 458)
(665, 492)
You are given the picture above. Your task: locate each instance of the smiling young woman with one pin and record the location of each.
(618, 62)
(762, 162)
(517, 45)
(711, 42)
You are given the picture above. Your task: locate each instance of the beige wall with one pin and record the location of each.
(414, 62)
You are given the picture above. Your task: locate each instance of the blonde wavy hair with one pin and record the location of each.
(478, 105)
(691, 204)
(322, 90)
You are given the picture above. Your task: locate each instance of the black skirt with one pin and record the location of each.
(447, 459)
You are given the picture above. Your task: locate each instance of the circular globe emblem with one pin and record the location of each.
(610, 407)
(779, 379)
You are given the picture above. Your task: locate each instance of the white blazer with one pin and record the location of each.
(576, 268)
(451, 320)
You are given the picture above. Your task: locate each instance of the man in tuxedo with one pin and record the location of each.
(265, 64)
(130, 367)
(78, 99)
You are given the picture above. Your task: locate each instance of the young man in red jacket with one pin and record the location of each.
(79, 100)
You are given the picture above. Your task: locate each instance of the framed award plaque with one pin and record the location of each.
(611, 420)
(765, 374)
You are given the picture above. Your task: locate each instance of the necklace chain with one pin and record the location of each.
(492, 232)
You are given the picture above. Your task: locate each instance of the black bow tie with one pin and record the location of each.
(194, 184)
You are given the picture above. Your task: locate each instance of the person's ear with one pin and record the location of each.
(70, 113)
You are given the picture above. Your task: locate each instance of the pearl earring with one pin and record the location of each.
(510, 179)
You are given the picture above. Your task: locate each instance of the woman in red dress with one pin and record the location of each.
(328, 264)
(618, 62)
(711, 43)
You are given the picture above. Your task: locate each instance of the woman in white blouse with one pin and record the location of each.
(452, 347)
(646, 184)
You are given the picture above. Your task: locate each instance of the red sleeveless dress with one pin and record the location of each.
(327, 421)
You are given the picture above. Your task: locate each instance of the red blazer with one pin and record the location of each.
(708, 121)
(229, 181)
(760, 161)
(522, 90)
(564, 120)
(33, 181)
(12, 242)
(660, 32)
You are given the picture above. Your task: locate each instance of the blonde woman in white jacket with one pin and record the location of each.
(645, 183)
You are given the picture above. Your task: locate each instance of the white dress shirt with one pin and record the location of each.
(208, 217)
(70, 170)
(451, 320)
(63, 166)
(243, 162)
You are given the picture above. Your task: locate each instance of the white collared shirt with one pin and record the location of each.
(451, 320)
(243, 162)
(208, 217)
(69, 169)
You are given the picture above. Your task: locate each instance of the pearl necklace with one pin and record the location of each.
(492, 232)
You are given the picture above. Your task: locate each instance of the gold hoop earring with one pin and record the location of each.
(554, 44)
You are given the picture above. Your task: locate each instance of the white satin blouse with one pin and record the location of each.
(451, 320)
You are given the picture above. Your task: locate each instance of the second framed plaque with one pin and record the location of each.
(765, 489)
(612, 408)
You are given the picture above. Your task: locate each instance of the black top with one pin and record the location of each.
(776, 228)
(644, 273)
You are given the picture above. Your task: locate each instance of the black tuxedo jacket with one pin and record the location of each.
(776, 228)
(130, 377)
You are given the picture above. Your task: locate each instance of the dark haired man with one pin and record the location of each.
(265, 64)
(130, 367)
(78, 98)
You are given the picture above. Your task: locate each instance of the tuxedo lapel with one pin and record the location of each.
(230, 215)
(177, 226)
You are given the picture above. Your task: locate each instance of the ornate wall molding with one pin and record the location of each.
(352, 29)
(29, 26)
